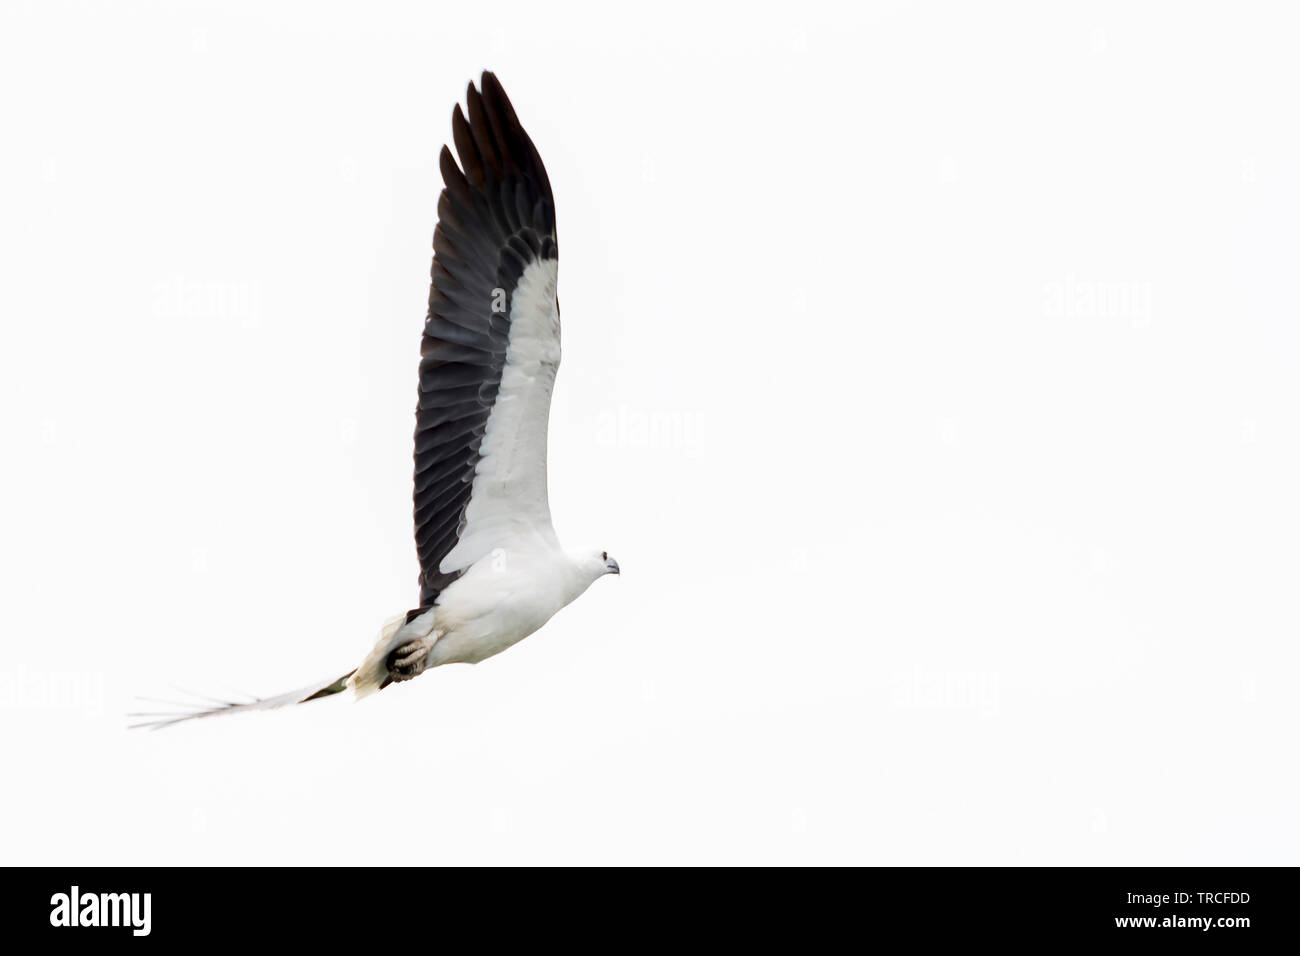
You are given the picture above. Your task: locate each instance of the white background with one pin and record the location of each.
(931, 372)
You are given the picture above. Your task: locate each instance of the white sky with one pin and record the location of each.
(931, 372)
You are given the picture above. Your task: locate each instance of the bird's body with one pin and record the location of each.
(492, 567)
(501, 600)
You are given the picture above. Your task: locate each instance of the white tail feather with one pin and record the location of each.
(199, 707)
(372, 673)
(365, 680)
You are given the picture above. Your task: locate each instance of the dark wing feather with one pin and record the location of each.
(496, 214)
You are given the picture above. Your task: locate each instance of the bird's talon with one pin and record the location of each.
(409, 660)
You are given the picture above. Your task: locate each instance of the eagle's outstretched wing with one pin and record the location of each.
(491, 346)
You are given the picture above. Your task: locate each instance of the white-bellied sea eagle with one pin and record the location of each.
(492, 570)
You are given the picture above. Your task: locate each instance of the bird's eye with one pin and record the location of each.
(604, 555)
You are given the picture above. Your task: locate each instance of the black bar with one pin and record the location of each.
(331, 907)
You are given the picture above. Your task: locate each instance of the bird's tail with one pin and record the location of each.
(372, 675)
(202, 706)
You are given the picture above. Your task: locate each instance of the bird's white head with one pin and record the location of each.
(594, 564)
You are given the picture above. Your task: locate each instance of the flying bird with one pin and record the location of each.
(492, 570)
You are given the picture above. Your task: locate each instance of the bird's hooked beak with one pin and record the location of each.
(611, 566)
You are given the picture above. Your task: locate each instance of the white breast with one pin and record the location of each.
(498, 602)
